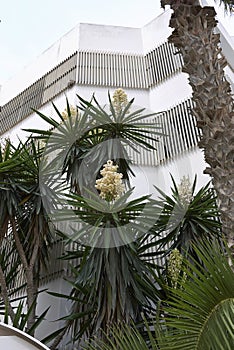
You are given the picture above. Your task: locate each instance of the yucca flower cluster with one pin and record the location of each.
(120, 100)
(185, 191)
(3, 143)
(174, 268)
(110, 185)
(73, 111)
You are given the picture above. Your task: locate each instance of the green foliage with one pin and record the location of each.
(228, 4)
(25, 230)
(114, 274)
(201, 316)
(114, 281)
(95, 135)
(181, 224)
(110, 285)
(99, 223)
(126, 337)
(10, 165)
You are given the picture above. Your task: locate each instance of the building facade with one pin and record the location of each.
(97, 59)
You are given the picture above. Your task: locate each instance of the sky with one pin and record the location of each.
(29, 27)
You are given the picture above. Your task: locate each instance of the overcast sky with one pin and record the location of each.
(28, 27)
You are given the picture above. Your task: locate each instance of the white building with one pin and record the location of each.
(97, 58)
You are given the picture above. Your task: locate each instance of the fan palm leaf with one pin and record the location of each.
(201, 315)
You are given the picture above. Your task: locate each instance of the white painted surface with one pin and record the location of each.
(13, 339)
(156, 32)
(58, 307)
(189, 163)
(170, 92)
(101, 38)
(110, 38)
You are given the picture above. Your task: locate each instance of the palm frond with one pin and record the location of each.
(228, 5)
(201, 316)
(97, 133)
(129, 337)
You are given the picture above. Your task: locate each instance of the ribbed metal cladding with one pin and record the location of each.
(59, 78)
(143, 156)
(112, 69)
(21, 106)
(93, 68)
(162, 62)
(181, 134)
(37, 94)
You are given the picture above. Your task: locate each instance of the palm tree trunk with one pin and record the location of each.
(195, 39)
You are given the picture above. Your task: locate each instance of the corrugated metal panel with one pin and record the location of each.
(93, 68)
(181, 132)
(112, 69)
(21, 106)
(58, 79)
(162, 62)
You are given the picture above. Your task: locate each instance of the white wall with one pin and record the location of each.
(189, 163)
(110, 38)
(170, 92)
(156, 32)
(89, 37)
(58, 307)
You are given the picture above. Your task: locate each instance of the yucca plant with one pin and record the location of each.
(24, 220)
(114, 281)
(187, 216)
(96, 134)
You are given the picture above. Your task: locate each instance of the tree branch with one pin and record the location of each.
(4, 294)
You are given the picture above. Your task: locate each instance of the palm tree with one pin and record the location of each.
(201, 314)
(195, 38)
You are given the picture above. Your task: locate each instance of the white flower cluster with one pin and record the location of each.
(175, 262)
(110, 186)
(73, 111)
(185, 191)
(3, 143)
(120, 100)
